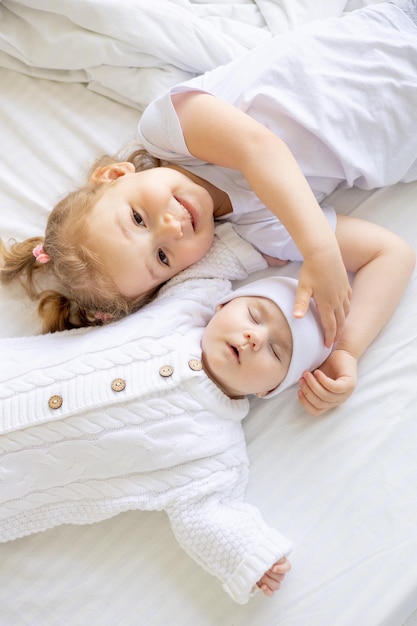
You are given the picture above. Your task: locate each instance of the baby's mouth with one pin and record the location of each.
(235, 352)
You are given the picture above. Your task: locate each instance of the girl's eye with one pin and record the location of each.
(138, 218)
(163, 257)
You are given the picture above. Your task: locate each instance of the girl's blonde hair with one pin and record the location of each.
(85, 295)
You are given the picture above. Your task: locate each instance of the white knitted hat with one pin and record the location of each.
(308, 350)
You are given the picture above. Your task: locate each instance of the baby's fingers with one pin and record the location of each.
(272, 579)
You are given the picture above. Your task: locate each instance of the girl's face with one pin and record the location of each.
(247, 346)
(148, 226)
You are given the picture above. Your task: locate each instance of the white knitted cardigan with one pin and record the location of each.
(94, 422)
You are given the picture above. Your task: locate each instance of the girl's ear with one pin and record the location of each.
(107, 173)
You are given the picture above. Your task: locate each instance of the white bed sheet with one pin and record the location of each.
(343, 487)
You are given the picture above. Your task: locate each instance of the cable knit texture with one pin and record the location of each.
(134, 424)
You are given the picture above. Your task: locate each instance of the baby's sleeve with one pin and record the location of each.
(229, 539)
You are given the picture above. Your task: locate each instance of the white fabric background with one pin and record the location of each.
(343, 487)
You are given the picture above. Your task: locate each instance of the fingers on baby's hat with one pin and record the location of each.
(346, 304)
(340, 321)
(302, 301)
(328, 323)
(329, 337)
(300, 308)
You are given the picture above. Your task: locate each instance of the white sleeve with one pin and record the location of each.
(159, 131)
(229, 539)
(271, 237)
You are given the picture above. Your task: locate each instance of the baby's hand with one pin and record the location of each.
(323, 277)
(272, 579)
(330, 385)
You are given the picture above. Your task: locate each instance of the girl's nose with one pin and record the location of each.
(170, 226)
(255, 338)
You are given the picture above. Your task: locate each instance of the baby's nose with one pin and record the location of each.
(255, 338)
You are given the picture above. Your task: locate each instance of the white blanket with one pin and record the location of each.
(162, 42)
(343, 487)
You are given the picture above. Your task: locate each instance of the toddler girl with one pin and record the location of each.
(260, 142)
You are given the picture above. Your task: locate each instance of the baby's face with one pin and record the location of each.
(247, 346)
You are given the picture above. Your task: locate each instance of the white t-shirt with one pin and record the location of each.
(341, 93)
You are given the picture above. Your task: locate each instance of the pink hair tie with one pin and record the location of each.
(40, 254)
(103, 317)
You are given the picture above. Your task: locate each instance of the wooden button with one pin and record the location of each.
(55, 402)
(166, 370)
(118, 384)
(195, 364)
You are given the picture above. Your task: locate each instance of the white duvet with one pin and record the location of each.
(162, 42)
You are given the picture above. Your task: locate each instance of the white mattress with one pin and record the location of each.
(342, 487)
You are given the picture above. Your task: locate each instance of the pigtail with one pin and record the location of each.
(76, 291)
(58, 312)
(20, 263)
(55, 310)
